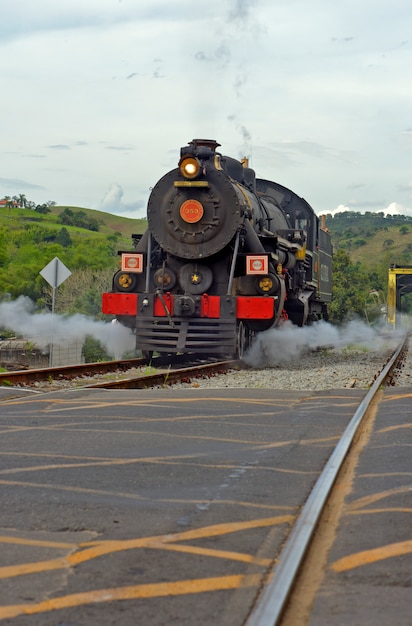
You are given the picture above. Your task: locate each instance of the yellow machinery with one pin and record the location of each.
(399, 283)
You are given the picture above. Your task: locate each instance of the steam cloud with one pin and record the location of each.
(280, 345)
(42, 328)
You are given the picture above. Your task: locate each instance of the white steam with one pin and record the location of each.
(287, 342)
(44, 328)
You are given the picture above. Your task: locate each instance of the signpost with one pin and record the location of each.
(55, 273)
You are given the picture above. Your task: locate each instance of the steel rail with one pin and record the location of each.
(167, 377)
(70, 371)
(271, 604)
(18, 377)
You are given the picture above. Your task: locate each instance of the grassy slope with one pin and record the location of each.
(109, 224)
(370, 254)
(375, 251)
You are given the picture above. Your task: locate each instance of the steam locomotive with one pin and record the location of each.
(226, 255)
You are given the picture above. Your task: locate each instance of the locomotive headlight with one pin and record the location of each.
(125, 280)
(265, 284)
(189, 167)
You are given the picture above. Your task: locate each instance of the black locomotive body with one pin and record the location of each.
(225, 255)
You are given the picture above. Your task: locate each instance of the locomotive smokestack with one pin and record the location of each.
(208, 143)
(323, 223)
(245, 162)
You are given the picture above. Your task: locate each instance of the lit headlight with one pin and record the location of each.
(189, 167)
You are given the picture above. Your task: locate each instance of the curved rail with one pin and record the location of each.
(67, 371)
(270, 606)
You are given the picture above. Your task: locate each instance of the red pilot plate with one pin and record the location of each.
(132, 262)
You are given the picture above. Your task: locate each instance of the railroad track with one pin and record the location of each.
(270, 607)
(144, 380)
(22, 377)
(160, 371)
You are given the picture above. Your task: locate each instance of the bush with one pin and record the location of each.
(93, 351)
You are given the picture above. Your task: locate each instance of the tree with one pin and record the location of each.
(350, 289)
(79, 219)
(4, 257)
(93, 351)
(66, 216)
(63, 238)
(9, 202)
(42, 208)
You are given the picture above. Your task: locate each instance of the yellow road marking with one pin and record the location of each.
(221, 554)
(134, 496)
(90, 550)
(12, 571)
(171, 460)
(389, 429)
(397, 396)
(38, 543)
(167, 400)
(355, 506)
(371, 556)
(94, 549)
(154, 590)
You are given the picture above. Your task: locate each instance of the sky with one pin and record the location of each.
(99, 96)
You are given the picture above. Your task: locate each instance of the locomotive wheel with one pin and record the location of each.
(147, 354)
(242, 340)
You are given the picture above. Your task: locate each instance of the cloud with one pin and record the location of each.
(393, 208)
(113, 203)
(59, 146)
(114, 89)
(18, 184)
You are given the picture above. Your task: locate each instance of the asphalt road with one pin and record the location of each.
(153, 507)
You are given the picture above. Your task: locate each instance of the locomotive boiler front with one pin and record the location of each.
(194, 211)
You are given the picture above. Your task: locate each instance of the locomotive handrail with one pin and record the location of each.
(233, 264)
(149, 253)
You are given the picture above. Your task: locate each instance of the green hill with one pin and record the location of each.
(88, 241)
(372, 239)
(365, 247)
(17, 218)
